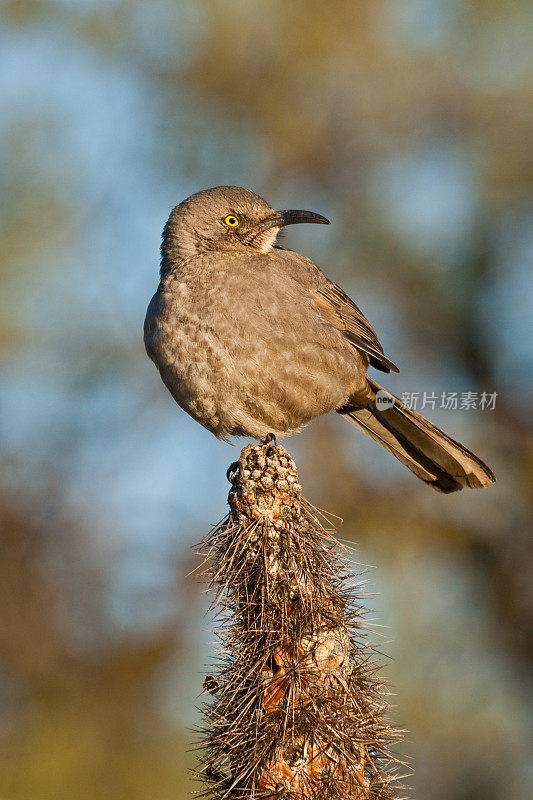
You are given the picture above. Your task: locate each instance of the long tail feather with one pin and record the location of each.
(431, 454)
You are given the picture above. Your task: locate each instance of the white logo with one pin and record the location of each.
(384, 400)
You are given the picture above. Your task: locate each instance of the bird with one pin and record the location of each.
(252, 339)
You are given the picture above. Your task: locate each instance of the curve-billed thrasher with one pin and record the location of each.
(252, 339)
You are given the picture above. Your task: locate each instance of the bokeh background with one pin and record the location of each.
(409, 123)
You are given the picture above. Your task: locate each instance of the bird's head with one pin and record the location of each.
(226, 219)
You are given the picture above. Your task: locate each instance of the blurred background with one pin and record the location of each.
(409, 123)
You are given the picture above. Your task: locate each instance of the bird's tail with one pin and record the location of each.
(433, 456)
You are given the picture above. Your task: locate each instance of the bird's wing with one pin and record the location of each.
(338, 310)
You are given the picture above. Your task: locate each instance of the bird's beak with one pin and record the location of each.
(291, 217)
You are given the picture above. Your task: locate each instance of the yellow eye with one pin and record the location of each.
(231, 221)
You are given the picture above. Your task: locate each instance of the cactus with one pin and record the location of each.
(298, 710)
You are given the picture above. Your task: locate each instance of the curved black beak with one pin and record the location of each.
(292, 217)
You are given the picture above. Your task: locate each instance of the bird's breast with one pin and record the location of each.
(245, 351)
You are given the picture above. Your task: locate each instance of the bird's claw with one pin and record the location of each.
(270, 443)
(233, 468)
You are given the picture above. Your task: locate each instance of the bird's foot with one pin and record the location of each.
(269, 442)
(232, 471)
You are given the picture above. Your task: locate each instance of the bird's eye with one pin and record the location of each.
(231, 221)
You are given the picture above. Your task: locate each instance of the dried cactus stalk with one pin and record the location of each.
(298, 709)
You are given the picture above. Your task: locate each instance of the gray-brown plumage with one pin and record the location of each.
(251, 338)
